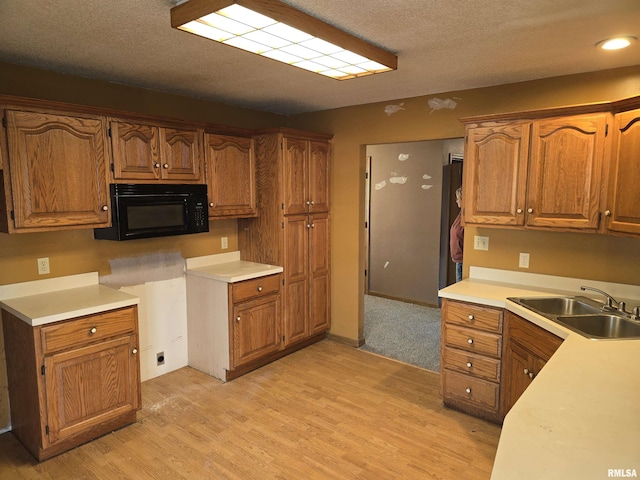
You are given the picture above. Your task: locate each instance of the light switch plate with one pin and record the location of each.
(480, 243)
(224, 243)
(524, 260)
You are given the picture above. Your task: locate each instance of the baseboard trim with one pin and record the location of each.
(346, 340)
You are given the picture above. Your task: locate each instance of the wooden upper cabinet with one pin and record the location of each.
(230, 171)
(543, 173)
(565, 172)
(58, 170)
(150, 152)
(319, 177)
(622, 213)
(296, 176)
(496, 173)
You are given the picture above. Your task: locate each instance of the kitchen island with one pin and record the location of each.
(580, 418)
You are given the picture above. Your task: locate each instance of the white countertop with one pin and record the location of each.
(52, 300)
(229, 268)
(581, 415)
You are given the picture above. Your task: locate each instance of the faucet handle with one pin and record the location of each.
(621, 306)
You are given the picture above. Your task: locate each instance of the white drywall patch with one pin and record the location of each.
(391, 109)
(386, 264)
(152, 267)
(439, 103)
(403, 157)
(427, 177)
(380, 185)
(427, 187)
(399, 180)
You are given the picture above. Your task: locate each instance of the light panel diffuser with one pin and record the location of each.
(278, 31)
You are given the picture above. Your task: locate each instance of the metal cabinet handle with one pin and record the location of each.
(526, 371)
(530, 210)
(166, 165)
(312, 202)
(471, 317)
(607, 213)
(468, 390)
(308, 202)
(308, 226)
(519, 210)
(156, 165)
(105, 208)
(93, 330)
(134, 351)
(237, 319)
(470, 341)
(211, 204)
(531, 375)
(469, 365)
(259, 289)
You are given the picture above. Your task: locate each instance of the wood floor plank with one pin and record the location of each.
(328, 411)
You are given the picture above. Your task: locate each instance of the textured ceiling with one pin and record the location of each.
(442, 45)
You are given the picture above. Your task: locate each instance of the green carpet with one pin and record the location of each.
(402, 331)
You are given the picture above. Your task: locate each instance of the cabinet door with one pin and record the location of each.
(136, 154)
(256, 329)
(91, 385)
(296, 284)
(319, 177)
(495, 174)
(180, 154)
(623, 208)
(230, 167)
(58, 169)
(296, 179)
(319, 272)
(565, 172)
(516, 366)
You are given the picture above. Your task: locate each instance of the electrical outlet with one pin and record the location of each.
(43, 266)
(224, 243)
(480, 243)
(524, 260)
(160, 358)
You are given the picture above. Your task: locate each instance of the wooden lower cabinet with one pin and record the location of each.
(527, 349)
(489, 357)
(233, 328)
(72, 381)
(471, 358)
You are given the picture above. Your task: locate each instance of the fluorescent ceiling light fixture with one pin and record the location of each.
(278, 31)
(616, 43)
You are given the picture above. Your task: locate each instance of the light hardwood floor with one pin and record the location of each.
(326, 412)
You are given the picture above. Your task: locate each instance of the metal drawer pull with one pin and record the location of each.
(237, 319)
(93, 330)
(105, 208)
(134, 351)
(469, 365)
(531, 375)
(468, 390)
(259, 289)
(166, 165)
(526, 371)
(470, 341)
(471, 317)
(156, 165)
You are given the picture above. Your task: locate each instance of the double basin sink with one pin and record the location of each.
(582, 315)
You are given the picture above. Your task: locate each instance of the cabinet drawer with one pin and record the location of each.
(474, 316)
(471, 389)
(472, 340)
(255, 288)
(89, 329)
(471, 364)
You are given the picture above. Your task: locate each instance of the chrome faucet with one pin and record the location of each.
(611, 303)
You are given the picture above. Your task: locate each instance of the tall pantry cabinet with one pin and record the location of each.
(293, 228)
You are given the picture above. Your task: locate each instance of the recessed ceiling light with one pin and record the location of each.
(616, 43)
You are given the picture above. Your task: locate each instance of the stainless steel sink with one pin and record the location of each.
(601, 326)
(559, 305)
(583, 316)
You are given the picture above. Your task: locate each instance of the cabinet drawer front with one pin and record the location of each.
(471, 389)
(89, 329)
(474, 316)
(474, 341)
(255, 288)
(471, 364)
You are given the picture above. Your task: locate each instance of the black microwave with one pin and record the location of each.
(155, 210)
